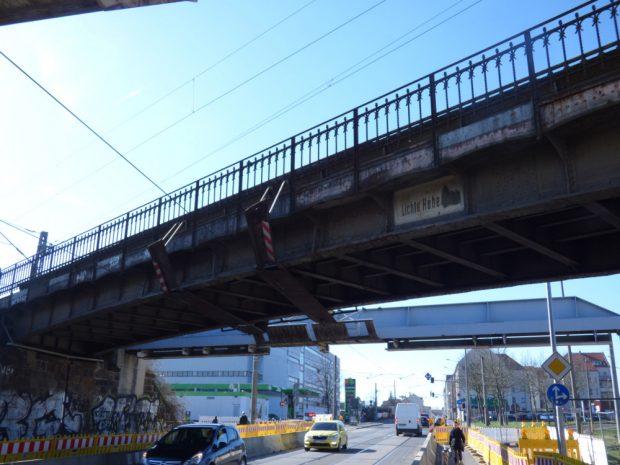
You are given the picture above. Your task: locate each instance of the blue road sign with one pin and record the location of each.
(558, 394)
(427, 376)
(459, 401)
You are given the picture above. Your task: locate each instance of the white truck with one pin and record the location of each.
(407, 419)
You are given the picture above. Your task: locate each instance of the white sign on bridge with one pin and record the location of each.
(430, 200)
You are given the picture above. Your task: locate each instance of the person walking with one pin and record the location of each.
(243, 420)
(457, 442)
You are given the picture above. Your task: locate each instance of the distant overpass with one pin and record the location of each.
(502, 168)
(19, 11)
(511, 323)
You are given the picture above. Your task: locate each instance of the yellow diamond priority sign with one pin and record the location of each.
(556, 366)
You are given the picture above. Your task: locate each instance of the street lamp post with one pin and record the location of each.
(484, 393)
(467, 392)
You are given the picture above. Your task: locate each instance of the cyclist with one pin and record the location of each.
(457, 442)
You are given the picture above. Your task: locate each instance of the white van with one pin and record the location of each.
(407, 419)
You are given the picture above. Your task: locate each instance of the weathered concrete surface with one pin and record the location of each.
(515, 123)
(567, 108)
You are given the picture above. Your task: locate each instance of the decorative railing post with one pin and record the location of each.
(529, 53)
(73, 248)
(240, 188)
(356, 142)
(239, 207)
(531, 71)
(98, 241)
(159, 211)
(197, 196)
(291, 178)
(433, 97)
(126, 226)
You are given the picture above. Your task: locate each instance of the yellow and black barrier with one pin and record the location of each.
(269, 429)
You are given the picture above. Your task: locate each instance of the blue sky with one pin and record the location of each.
(170, 85)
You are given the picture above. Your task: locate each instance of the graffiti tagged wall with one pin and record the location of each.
(41, 397)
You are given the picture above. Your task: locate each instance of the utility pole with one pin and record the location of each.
(614, 386)
(254, 387)
(589, 393)
(559, 418)
(572, 390)
(467, 392)
(375, 415)
(395, 402)
(484, 393)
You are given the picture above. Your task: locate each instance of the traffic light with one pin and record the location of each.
(432, 379)
(432, 394)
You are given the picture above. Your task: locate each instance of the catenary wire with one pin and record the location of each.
(180, 120)
(180, 86)
(314, 92)
(30, 232)
(320, 89)
(14, 246)
(83, 123)
(323, 87)
(253, 77)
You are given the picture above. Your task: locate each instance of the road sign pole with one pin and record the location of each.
(559, 419)
(614, 385)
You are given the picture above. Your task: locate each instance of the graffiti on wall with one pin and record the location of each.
(6, 371)
(125, 413)
(25, 416)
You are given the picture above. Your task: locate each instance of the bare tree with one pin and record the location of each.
(500, 380)
(325, 380)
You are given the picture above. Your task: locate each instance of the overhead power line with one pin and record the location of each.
(180, 120)
(30, 232)
(177, 88)
(218, 62)
(345, 74)
(82, 122)
(254, 76)
(14, 246)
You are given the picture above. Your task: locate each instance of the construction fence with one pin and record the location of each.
(534, 447)
(69, 446)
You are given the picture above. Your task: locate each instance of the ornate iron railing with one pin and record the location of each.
(577, 36)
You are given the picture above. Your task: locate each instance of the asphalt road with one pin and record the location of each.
(376, 445)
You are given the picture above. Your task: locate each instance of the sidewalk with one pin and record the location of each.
(469, 458)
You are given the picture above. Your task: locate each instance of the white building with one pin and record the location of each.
(293, 382)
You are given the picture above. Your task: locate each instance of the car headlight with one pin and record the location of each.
(195, 460)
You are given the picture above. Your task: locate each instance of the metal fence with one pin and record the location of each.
(581, 35)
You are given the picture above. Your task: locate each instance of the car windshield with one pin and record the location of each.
(189, 437)
(324, 426)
